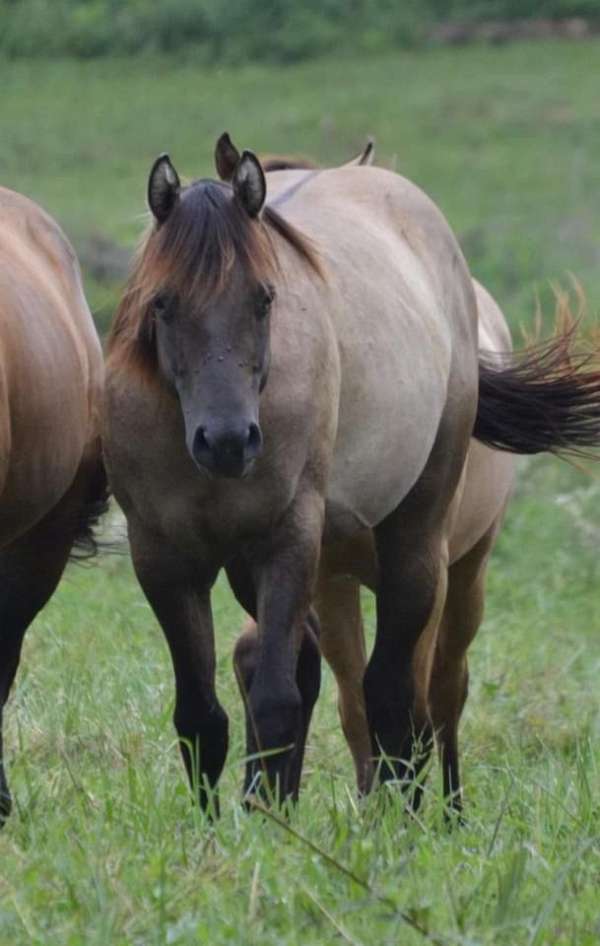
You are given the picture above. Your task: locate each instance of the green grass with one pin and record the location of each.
(104, 848)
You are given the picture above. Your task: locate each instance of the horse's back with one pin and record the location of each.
(50, 365)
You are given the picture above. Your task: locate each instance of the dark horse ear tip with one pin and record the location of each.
(249, 183)
(171, 174)
(248, 155)
(163, 156)
(226, 157)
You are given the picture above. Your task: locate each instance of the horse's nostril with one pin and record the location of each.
(254, 437)
(201, 443)
(226, 450)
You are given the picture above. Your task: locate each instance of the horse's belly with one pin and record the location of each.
(34, 486)
(365, 488)
(390, 409)
(45, 435)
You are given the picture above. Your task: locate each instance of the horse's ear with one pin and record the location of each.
(368, 153)
(163, 188)
(365, 158)
(227, 157)
(249, 185)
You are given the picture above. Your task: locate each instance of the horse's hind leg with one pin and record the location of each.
(462, 616)
(412, 554)
(30, 569)
(410, 600)
(343, 646)
(308, 679)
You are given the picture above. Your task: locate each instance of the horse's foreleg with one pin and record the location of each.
(14, 621)
(179, 593)
(286, 676)
(30, 569)
(308, 679)
(245, 661)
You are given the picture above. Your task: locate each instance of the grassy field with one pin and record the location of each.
(104, 848)
(506, 140)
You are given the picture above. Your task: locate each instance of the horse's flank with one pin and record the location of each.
(50, 365)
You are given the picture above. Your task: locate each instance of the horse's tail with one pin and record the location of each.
(94, 506)
(543, 399)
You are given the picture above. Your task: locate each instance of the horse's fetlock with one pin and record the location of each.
(276, 719)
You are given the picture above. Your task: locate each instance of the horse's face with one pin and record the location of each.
(212, 323)
(217, 360)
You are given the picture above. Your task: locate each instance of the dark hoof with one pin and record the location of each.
(454, 818)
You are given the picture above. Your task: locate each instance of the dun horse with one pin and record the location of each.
(283, 375)
(440, 671)
(52, 482)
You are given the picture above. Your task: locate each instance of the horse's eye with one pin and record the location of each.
(162, 307)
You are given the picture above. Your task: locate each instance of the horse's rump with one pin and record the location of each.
(50, 366)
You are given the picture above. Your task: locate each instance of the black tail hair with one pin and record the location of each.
(85, 543)
(544, 399)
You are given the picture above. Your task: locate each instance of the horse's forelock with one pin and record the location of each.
(194, 252)
(196, 249)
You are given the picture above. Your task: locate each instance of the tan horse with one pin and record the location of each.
(344, 567)
(440, 661)
(52, 482)
(282, 376)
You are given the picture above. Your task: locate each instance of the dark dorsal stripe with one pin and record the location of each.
(293, 189)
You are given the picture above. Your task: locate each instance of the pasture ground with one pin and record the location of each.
(104, 848)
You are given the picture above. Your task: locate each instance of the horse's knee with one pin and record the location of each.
(275, 717)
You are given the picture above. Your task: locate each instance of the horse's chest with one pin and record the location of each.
(218, 516)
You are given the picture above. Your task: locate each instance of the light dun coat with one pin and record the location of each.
(288, 369)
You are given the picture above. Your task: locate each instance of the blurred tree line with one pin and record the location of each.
(228, 30)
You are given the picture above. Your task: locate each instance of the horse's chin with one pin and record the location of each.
(227, 472)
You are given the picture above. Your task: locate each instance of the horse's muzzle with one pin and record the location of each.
(227, 452)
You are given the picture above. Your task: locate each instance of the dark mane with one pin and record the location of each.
(194, 252)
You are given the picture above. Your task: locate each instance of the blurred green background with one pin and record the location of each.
(504, 136)
(274, 30)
